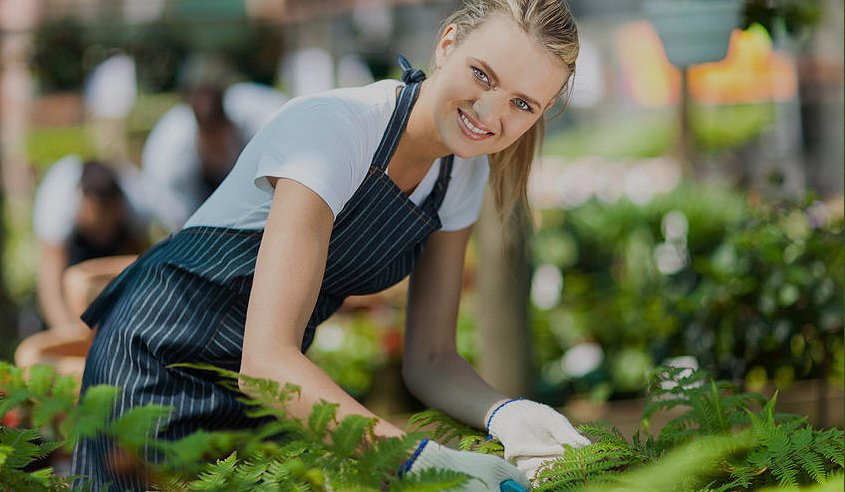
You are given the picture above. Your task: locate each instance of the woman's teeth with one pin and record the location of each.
(471, 127)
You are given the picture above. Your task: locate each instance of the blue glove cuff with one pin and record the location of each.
(490, 418)
(410, 462)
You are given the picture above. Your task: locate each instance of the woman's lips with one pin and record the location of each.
(472, 129)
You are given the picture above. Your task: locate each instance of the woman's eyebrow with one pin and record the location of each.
(495, 77)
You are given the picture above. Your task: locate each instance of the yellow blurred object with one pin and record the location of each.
(64, 348)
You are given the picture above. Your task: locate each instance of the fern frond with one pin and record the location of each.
(216, 476)
(588, 464)
(92, 414)
(445, 429)
(322, 414)
(830, 444)
(383, 458)
(431, 480)
(22, 447)
(349, 433)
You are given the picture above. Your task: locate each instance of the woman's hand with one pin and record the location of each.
(532, 433)
(489, 471)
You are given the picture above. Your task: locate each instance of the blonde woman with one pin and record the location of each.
(348, 192)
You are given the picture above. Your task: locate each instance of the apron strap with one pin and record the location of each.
(399, 119)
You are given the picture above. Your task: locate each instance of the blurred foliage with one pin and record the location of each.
(652, 134)
(697, 271)
(65, 50)
(44, 146)
(797, 16)
(348, 347)
(20, 258)
(57, 53)
(158, 52)
(770, 296)
(148, 109)
(257, 51)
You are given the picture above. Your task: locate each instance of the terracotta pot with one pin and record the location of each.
(65, 350)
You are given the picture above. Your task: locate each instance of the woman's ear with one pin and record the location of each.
(445, 45)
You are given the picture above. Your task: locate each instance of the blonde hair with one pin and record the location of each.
(550, 23)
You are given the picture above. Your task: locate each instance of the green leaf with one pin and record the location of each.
(349, 434)
(138, 425)
(41, 380)
(93, 413)
(322, 414)
(430, 480)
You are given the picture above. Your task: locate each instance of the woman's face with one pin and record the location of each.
(489, 89)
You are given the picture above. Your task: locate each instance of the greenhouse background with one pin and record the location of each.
(683, 212)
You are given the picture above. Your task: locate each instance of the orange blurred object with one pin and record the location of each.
(751, 72)
(647, 76)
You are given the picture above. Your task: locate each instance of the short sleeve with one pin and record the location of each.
(316, 147)
(57, 201)
(462, 204)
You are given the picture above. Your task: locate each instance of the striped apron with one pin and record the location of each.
(185, 300)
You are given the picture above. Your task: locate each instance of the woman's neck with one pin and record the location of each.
(420, 143)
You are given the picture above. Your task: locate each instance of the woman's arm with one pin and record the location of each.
(288, 274)
(432, 368)
(52, 262)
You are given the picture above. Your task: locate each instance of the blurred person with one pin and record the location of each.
(192, 147)
(343, 193)
(110, 94)
(81, 212)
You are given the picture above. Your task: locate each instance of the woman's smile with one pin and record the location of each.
(471, 128)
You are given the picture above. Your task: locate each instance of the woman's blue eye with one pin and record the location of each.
(478, 74)
(523, 105)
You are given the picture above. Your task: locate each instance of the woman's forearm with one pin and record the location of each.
(315, 385)
(51, 299)
(449, 383)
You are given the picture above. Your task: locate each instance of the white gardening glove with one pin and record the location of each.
(489, 471)
(531, 433)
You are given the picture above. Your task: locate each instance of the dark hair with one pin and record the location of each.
(99, 181)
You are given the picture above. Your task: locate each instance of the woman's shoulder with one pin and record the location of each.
(352, 102)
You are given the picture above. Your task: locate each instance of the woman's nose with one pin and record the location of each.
(488, 107)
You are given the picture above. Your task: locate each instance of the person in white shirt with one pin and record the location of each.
(83, 210)
(192, 147)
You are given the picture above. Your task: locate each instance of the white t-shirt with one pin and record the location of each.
(59, 196)
(327, 142)
(170, 158)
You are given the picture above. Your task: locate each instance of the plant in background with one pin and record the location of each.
(624, 266)
(56, 60)
(769, 300)
(696, 271)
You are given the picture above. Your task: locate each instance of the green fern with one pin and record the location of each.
(18, 449)
(446, 430)
(320, 453)
(431, 480)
